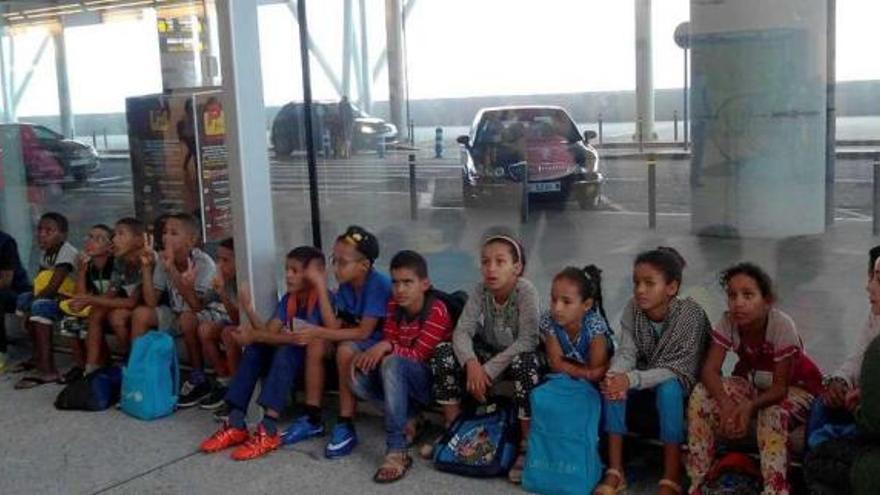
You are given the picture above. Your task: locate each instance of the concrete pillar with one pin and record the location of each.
(758, 100)
(347, 41)
(396, 76)
(644, 72)
(366, 80)
(249, 181)
(5, 80)
(65, 111)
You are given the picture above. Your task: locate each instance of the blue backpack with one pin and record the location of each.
(563, 446)
(151, 380)
(480, 442)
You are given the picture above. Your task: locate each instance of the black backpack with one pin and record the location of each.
(454, 302)
(96, 391)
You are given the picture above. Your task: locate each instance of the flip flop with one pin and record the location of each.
(22, 366)
(32, 381)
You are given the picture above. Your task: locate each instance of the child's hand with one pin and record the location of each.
(244, 334)
(77, 303)
(167, 259)
(369, 359)
(188, 276)
(315, 276)
(615, 385)
(305, 335)
(727, 417)
(834, 395)
(742, 415)
(853, 399)
(82, 261)
(478, 381)
(148, 255)
(218, 284)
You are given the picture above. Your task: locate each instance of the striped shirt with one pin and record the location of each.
(417, 337)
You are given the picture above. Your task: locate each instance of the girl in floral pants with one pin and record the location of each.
(774, 381)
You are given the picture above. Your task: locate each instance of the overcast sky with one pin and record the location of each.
(455, 48)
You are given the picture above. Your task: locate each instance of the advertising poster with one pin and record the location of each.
(178, 159)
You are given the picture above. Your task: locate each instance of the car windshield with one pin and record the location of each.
(541, 124)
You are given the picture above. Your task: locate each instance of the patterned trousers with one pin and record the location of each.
(449, 377)
(774, 423)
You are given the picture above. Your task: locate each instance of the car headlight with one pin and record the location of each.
(365, 129)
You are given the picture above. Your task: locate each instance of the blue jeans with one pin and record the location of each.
(40, 310)
(668, 398)
(278, 367)
(400, 385)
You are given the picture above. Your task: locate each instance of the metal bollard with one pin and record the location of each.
(675, 126)
(413, 195)
(325, 143)
(380, 147)
(652, 191)
(600, 129)
(412, 132)
(875, 226)
(639, 135)
(524, 213)
(94, 139)
(438, 142)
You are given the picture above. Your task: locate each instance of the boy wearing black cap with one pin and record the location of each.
(361, 301)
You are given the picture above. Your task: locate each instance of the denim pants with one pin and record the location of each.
(277, 366)
(41, 310)
(400, 385)
(668, 398)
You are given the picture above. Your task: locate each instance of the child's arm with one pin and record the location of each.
(594, 370)
(557, 361)
(111, 300)
(367, 325)
(318, 280)
(82, 275)
(185, 282)
(231, 306)
(779, 389)
(51, 290)
(148, 267)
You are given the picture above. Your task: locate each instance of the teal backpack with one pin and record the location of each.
(151, 379)
(563, 449)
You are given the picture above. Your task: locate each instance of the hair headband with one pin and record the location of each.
(509, 240)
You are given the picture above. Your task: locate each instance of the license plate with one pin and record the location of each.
(542, 187)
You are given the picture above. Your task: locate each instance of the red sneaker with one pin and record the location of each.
(258, 445)
(224, 438)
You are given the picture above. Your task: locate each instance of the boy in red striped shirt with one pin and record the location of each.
(395, 371)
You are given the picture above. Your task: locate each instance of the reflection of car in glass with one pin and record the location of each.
(561, 164)
(49, 156)
(288, 133)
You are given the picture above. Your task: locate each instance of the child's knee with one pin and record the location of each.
(206, 331)
(345, 353)
(670, 395)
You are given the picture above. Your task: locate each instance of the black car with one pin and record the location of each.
(47, 155)
(288, 133)
(541, 141)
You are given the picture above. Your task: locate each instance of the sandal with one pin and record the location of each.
(516, 472)
(606, 489)
(670, 484)
(397, 463)
(32, 381)
(22, 366)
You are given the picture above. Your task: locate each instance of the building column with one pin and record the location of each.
(644, 72)
(65, 111)
(396, 76)
(249, 178)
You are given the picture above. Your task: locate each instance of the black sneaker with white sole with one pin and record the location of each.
(192, 395)
(215, 399)
(221, 414)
